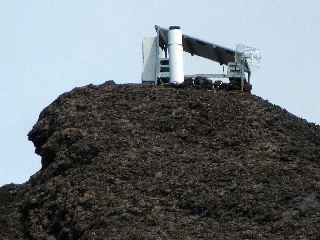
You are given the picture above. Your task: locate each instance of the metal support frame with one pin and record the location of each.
(157, 59)
(207, 76)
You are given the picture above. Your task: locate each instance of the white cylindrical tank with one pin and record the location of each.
(175, 55)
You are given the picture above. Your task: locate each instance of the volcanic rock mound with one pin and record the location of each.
(144, 162)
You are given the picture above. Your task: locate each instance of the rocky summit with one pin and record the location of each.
(143, 162)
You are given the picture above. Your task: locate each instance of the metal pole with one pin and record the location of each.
(176, 55)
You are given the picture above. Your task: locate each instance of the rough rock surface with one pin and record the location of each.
(139, 162)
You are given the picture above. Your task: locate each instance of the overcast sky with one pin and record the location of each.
(49, 47)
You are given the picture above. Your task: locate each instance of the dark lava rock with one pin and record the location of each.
(143, 162)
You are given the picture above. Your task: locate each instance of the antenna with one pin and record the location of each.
(250, 54)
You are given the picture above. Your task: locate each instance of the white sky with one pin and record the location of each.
(49, 47)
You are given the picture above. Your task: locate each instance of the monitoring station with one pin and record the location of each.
(163, 60)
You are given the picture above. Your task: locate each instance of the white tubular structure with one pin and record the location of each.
(176, 55)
